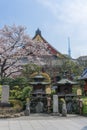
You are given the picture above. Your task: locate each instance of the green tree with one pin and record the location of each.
(26, 93)
(30, 69)
(16, 92)
(22, 94)
(19, 81)
(71, 67)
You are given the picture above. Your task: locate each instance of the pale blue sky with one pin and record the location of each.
(57, 20)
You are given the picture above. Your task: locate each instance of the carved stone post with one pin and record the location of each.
(27, 111)
(48, 103)
(55, 105)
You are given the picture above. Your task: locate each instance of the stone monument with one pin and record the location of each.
(5, 94)
(55, 104)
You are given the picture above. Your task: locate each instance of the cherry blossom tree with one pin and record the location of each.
(12, 38)
(15, 44)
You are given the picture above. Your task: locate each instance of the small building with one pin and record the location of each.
(64, 87)
(64, 91)
(84, 77)
(82, 60)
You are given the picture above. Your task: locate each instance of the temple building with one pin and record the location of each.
(40, 52)
(39, 38)
(51, 57)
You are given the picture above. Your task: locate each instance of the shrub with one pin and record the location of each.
(17, 105)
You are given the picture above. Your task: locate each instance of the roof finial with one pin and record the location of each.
(38, 32)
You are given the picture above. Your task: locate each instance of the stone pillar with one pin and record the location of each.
(27, 111)
(48, 103)
(55, 104)
(5, 94)
(64, 110)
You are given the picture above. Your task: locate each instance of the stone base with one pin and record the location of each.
(64, 115)
(55, 114)
(3, 104)
(27, 112)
